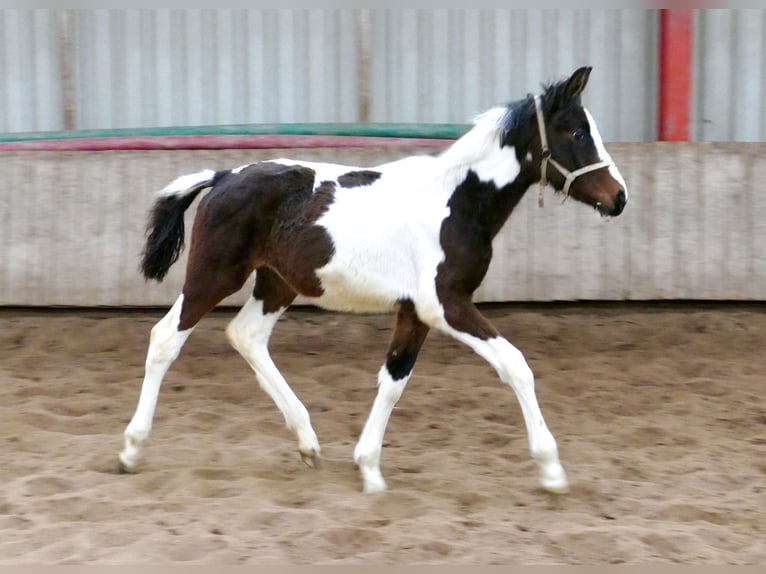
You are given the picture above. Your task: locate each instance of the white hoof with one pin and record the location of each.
(128, 460)
(132, 450)
(373, 485)
(372, 479)
(554, 479)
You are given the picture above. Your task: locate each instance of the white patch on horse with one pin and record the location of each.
(501, 167)
(181, 185)
(386, 238)
(480, 151)
(603, 154)
(324, 171)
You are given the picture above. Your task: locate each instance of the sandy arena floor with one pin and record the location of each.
(659, 411)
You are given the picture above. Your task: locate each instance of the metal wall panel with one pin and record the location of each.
(30, 85)
(168, 67)
(145, 68)
(449, 65)
(730, 75)
(181, 67)
(692, 228)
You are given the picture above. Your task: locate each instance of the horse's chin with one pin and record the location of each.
(602, 210)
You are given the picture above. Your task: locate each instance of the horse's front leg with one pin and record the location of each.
(465, 323)
(409, 335)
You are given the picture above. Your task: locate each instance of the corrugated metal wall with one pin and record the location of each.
(144, 68)
(729, 102)
(161, 67)
(30, 79)
(449, 65)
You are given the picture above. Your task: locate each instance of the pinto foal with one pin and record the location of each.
(413, 235)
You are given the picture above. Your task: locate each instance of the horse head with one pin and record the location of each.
(561, 137)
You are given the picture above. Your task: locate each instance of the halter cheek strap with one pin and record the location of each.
(570, 176)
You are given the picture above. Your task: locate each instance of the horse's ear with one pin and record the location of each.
(576, 84)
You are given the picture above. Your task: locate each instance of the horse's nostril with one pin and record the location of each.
(619, 202)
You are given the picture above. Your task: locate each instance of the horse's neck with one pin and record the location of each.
(494, 177)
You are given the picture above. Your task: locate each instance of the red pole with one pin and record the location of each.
(676, 40)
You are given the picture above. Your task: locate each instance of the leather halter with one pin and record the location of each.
(546, 153)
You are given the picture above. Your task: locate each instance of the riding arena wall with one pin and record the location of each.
(72, 225)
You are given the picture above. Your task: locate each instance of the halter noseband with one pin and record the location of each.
(546, 152)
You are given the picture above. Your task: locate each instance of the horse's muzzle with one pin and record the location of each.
(619, 203)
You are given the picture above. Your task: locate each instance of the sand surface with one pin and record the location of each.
(659, 411)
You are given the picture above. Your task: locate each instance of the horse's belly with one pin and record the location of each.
(360, 288)
(353, 302)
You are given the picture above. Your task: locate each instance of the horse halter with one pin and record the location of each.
(546, 152)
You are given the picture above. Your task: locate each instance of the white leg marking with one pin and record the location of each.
(368, 449)
(249, 334)
(164, 345)
(513, 369)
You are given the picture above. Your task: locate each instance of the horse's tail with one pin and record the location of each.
(165, 231)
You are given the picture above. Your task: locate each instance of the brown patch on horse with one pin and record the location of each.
(358, 178)
(272, 290)
(468, 246)
(262, 216)
(297, 246)
(409, 334)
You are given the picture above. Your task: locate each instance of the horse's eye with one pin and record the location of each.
(578, 135)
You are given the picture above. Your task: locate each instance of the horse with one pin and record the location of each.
(411, 237)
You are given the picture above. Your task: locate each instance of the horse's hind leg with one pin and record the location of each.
(200, 294)
(409, 335)
(249, 334)
(165, 343)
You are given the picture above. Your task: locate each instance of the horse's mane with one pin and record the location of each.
(479, 140)
(483, 138)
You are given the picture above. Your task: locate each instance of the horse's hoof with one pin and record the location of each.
(556, 489)
(555, 484)
(374, 487)
(122, 469)
(311, 459)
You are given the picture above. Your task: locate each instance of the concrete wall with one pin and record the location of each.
(72, 227)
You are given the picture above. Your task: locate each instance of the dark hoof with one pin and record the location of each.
(122, 469)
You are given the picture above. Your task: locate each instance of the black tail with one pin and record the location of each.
(165, 231)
